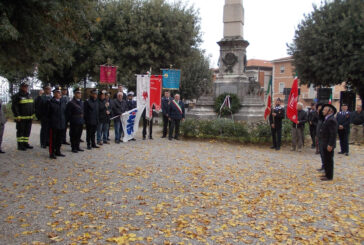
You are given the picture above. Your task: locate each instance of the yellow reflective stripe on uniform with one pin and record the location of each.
(25, 117)
(22, 139)
(26, 101)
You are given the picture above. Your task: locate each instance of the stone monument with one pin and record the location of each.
(232, 77)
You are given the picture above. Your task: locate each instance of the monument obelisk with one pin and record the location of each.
(231, 77)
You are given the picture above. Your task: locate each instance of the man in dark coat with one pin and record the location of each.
(23, 110)
(328, 140)
(74, 115)
(298, 129)
(41, 104)
(130, 103)
(275, 119)
(104, 118)
(120, 90)
(65, 99)
(357, 126)
(312, 121)
(91, 110)
(166, 99)
(118, 108)
(57, 122)
(176, 113)
(343, 121)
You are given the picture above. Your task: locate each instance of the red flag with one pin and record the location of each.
(108, 74)
(292, 113)
(155, 93)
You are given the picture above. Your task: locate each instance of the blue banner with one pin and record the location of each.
(171, 79)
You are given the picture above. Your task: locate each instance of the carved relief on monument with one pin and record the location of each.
(229, 62)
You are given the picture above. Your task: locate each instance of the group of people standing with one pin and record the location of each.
(324, 127)
(57, 112)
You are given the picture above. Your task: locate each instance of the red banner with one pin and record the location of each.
(292, 113)
(108, 74)
(155, 93)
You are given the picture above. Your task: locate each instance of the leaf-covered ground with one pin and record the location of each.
(179, 192)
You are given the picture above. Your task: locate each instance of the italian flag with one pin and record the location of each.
(268, 103)
(330, 99)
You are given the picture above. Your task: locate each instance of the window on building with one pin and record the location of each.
(282, 69)
(281, 88)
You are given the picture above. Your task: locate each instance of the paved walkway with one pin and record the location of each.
(179, 192)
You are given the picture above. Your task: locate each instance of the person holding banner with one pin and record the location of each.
(176, 113)
(118, 108)
(166, 100)
(275, 120)
(298, 128)
(91, 108)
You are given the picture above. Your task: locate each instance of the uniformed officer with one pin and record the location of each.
(23, 110)
(91, 115)
(57, 123)
(41, 103)
(65, 99)
(74, 115)
(343, 121)
(166, 100)
(130, 103)
(275, 119)
(328, 140)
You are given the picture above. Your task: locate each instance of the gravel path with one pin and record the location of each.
(179, 192)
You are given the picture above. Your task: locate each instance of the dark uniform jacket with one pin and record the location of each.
(165, 105)
(343, 118)
(74, 112)
(328, 132)
(278, 118)
(174, 112)
(22, 106)
(91, 110)
(41, 103)
(56, 114)
(320, 120)
(312, 118)
(103, 116)
(302, 119)
(357, 118)
(131, 104)
(118, 107)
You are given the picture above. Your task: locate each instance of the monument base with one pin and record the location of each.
(204, 109)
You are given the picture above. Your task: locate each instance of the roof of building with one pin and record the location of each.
(289, 58)
(259, 63)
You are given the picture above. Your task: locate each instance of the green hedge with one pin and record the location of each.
(228, 130)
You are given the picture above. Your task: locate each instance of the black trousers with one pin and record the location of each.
(344, 140)
(313, 134)
(23, 129)
(64, 138)
(55, 140)
(276, 136)
(145, 123)
(75, 135)
(174, 127)
(328, 161)
(91, 134)
(166, 125)
(44, 133)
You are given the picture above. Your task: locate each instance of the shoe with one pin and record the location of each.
(89, 148)
(43, 146)
(278, 148)
(74, 151)
(133, 139)
(313, 146)
(320, 169)
(95, 146)
(272, 147)
(163, 137)
(170, 138)
(79, 149)
(99, 143)
(28, 146)
(151, 138)
(346, 154)
(52, 156)
(21, 148)
(65, 143)
(143, 138)
(340, 152)
(176, 138)
(105, 142)
(2, 152)
(60, 154)
(81, 140)
(325, 179)
(117, 142)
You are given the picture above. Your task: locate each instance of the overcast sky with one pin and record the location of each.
(269, 25)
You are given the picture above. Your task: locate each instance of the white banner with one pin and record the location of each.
(143, 96)
(130, 122)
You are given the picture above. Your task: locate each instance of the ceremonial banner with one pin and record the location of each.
(171, 78)
(268, 104)
(130, 122)
(155, 94)
(143, 92)
(292, 113)
(108, 74)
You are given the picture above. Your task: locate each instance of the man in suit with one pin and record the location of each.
(74, 115)
(343, 121)
(176, 113)
(41, 104)
(166, 99)
(312, 121)
(65, 99)
(328, 140)
(275, 119)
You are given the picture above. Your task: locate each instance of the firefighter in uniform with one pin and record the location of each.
(74, 115)
(41, 103)
(23, 110)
